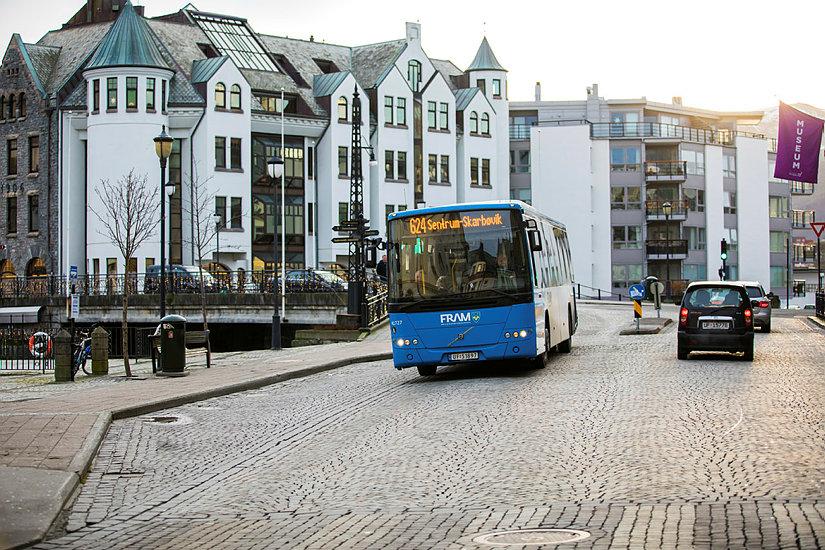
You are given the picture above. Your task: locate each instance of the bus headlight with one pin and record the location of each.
(415, 342)
(400, 342)
(406, 342)
(506, 334)
(523, 334)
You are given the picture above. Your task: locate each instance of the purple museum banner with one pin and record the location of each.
(797, 150)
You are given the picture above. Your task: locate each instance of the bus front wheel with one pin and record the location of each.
(427, 370)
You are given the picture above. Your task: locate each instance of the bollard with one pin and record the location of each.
(63, 356)
(100, 351)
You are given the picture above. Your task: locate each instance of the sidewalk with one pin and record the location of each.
(49, 433)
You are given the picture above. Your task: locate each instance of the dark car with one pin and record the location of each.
(761, 304)
(716, 316)
(314, 280)
(179, 278)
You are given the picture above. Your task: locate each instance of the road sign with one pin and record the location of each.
(371, 233)
(636, 292)
(341, 240)
(637, 309)
(75, 307)
(73, 274)
(818, 228)
(343, 229)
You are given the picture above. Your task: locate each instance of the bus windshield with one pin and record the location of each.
(460, 254)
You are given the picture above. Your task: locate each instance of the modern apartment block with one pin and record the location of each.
(650, 188)
(83, 104)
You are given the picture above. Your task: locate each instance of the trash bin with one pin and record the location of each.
(173, 346)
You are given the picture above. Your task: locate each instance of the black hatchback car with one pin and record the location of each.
(716, 316)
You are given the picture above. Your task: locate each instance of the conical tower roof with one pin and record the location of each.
(128, 43)
(485, 59)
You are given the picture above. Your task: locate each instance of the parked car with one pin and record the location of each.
(761, 304)
(179, 278)
(314, 280)
(716, 316)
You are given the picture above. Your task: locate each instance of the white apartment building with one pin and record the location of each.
(111, 78)
(607, 167)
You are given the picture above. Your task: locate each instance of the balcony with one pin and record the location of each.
(654, 210)
(665, 170)
(638, 130)
(662, 249)
(520, 131)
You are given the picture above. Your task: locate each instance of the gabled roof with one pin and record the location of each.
(40, 61)
(372, 63)
(204, 69)
(325, 84)
(448, 70)
(129, 43)
(463, 97)
(485, 59)
(76, 45)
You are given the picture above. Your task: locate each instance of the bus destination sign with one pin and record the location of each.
(428, 224)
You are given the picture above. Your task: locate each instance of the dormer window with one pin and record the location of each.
(208, 50)
(343, 110)
(220, 96)
(474, 122)
(485, 124)
(414, 74)
(235, 97)
(326, 66)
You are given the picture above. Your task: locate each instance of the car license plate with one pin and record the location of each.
(467, 356)
(715, 325)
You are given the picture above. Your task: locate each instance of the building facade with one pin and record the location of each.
(82, 105)
(655, 188)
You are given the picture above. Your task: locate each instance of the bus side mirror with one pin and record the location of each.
(535, 241)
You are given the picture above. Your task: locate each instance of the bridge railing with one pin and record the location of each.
(226, 282)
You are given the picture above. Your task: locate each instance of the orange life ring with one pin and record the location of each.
(36, 344)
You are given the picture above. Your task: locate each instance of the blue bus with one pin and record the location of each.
(478, 282)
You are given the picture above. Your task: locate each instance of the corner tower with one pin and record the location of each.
(486, 73)
(127, 83)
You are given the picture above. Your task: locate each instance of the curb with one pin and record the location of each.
(816, 321)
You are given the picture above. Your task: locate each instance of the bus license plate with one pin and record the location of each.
(715, 325)
(467, 356)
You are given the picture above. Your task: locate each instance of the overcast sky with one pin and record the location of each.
(716, 54)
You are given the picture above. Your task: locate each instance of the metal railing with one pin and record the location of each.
(678, 209)
(663, 247)
(665, 169)
(672, 131)
(230, 282)
(26, 348)
(598, 294)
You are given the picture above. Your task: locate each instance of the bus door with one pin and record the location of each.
(538, 280)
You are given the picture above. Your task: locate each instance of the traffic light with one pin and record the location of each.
(724, 250)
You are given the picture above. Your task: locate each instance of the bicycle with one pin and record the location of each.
(81, 353)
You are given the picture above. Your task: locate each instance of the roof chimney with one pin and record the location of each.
(677, 100)
(538, 91)
(413, 32)
(312, 38)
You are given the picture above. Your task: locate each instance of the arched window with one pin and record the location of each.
(235, 97)
(485, 124)
(474, 122)
(36, 268)
(2, 107)
(343, 113)
(11, 109)
(22, 106)
(220, 95)
(414, 74)
(7, 270)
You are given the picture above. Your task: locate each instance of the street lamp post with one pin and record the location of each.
(275, 168)
(217, 219)
(163, 148)
(667, 208)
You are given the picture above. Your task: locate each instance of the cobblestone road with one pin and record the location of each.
(618, 439)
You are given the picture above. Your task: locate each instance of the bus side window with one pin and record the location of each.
(533, 263)
(565, 268)
(553, 256)
(569, 258)
(548, 256)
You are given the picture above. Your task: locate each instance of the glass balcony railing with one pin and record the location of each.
(668, 131)
(660, 249)
(520, 131)
(655, 210)
(665, 170)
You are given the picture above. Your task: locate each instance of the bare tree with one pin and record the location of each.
(129, 217)
(201, 207)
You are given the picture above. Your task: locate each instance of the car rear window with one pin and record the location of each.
(754, 291)
(713, 297)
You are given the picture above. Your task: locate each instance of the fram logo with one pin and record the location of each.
(462, 318)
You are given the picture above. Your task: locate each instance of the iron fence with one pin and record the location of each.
(27, 348)
(222, 282)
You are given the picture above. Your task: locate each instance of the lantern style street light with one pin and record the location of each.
(163, 149)
(275, 168)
